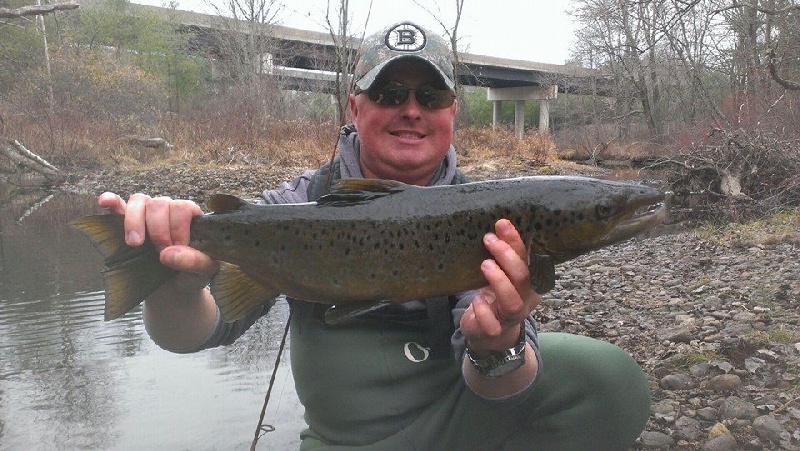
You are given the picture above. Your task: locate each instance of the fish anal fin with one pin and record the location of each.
(238, 294)
(356, 191)
(543, 273)
(338, 314)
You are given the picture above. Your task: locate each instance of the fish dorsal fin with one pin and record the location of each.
(225, 203)
(237, 294)
(357, 191)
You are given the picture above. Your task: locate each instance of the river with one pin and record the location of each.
(69, 380)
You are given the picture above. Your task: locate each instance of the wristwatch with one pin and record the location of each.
(500, 363)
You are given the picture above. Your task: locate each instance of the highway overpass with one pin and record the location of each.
(306, 60)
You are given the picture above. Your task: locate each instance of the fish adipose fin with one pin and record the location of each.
(543, 273)
(237, 294)
(226, 203)
(358, 191)
(131, 273)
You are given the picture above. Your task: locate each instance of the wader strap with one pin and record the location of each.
(440, 320)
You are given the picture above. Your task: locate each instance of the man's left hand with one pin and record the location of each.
(492, 321)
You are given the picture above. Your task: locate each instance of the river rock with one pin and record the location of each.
(677, 382)
(725, 382)
(707, 413)
(655, 440)
(737, 408)
(676, 335)
(722, 443)
(687, 428)
(768, 428)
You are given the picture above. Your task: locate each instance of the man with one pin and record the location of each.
(463, 372)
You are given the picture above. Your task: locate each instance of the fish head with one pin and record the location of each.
(597, 214)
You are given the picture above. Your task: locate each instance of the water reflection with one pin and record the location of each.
(70, 380)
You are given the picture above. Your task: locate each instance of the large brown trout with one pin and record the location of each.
(374, 240)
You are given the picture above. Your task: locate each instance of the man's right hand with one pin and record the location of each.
(166, 222)
(180, 314)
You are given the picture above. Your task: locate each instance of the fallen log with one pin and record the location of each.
(17, 153)
(151, 143)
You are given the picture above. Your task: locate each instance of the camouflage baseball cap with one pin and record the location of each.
(404, 40)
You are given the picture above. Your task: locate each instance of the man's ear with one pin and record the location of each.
(351, 101)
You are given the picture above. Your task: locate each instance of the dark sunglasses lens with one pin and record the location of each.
(393, 94)
(435, 99)
(389, 95)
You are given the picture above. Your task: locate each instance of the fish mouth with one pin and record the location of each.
(638, 220)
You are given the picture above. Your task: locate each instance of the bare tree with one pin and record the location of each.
(450, 31)
(345, 49)
(245, 58)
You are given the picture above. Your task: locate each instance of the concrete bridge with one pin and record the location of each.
(306, 61)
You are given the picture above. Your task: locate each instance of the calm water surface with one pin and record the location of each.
(69, 380)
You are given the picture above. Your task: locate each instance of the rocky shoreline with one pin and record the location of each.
(714, 323)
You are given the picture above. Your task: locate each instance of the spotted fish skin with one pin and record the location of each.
(383, 240)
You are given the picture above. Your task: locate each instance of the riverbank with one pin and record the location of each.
(711, 315)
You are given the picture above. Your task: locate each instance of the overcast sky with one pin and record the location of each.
(532, 30)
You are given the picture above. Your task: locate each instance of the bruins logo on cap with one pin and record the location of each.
(406, 37)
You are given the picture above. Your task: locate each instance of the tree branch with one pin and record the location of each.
(773, 71)
(35, 10)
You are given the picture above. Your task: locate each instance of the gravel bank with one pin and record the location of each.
(715, 324)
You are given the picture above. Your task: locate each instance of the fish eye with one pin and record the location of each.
(604, 210)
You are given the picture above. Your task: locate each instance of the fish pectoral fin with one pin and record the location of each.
(543, 273)
(338, 314)
(131, 273)
(356, 191)
(237, 294)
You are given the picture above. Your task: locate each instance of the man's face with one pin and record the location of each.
(404, 142)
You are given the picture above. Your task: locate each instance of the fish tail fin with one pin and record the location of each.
(237, 294)
(131, 273)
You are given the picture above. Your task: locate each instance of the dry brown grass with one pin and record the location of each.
(501, 146)
(221, 140)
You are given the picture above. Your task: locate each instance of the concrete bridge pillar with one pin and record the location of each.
(497, 108)
(519, 118)
(520, 94)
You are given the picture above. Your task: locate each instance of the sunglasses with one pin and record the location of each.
(394, 94)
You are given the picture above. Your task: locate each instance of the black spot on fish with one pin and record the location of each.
(227, 238)
(257, 243)
(246, 232)
(347, 251)
(440, 266)
(395, 272)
